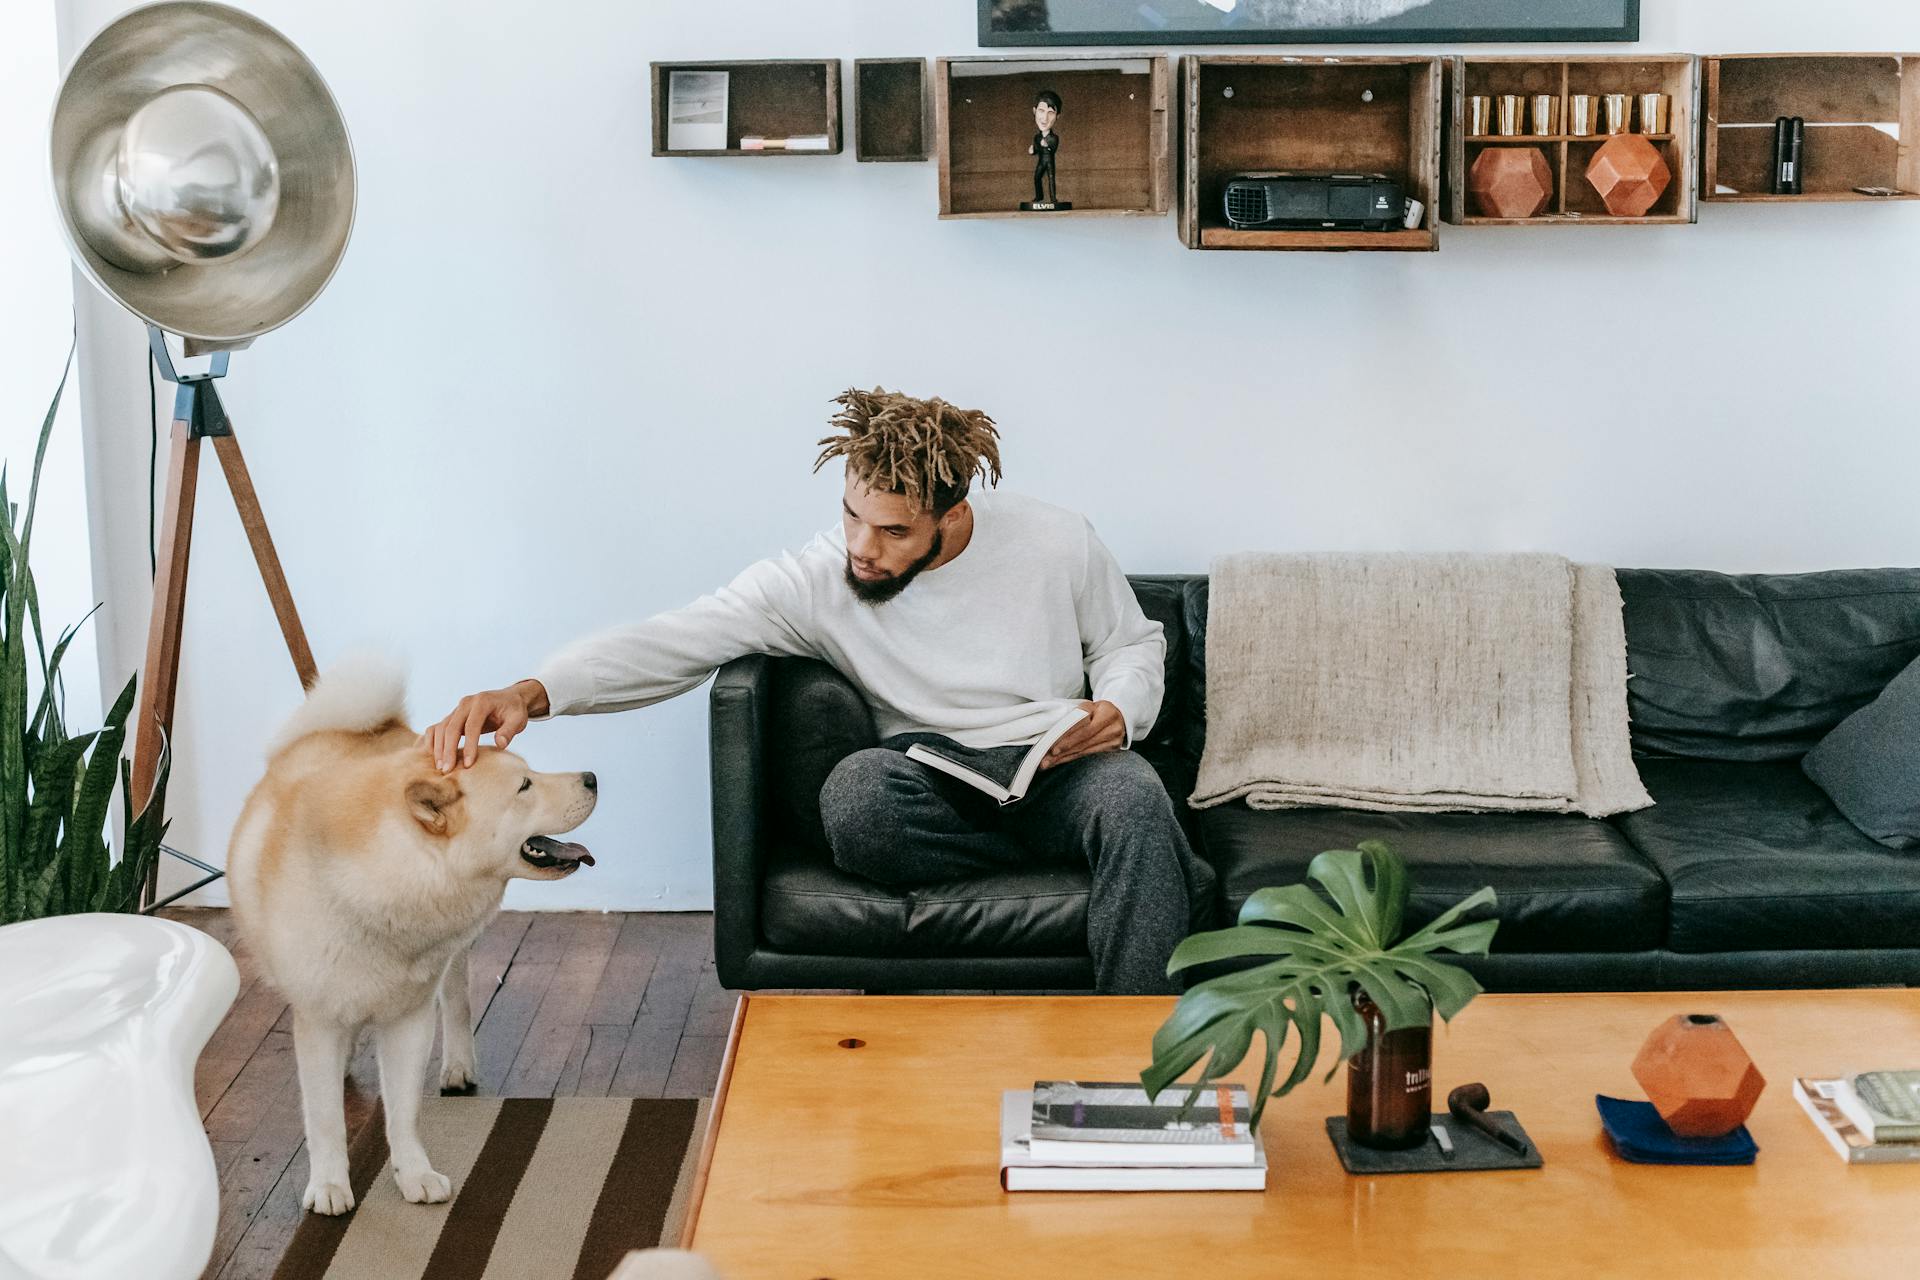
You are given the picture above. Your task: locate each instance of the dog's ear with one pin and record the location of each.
(431, 801)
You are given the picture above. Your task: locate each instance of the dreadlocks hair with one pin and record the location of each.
(927, 451)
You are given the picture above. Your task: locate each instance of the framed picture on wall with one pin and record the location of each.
(697, 111)
(1078, 22)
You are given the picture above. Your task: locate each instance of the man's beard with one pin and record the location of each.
(884, 589)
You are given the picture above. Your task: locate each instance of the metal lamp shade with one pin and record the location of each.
(203, 171)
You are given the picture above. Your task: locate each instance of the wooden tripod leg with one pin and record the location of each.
(160, 675)
(235, 466)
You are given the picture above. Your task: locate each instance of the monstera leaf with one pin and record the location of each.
(1317, 952)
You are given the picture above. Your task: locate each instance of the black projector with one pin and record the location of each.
(1294, 201)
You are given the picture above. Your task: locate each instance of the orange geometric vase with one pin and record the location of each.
(1630, 174)
(1510, 182)
(1697, 1076)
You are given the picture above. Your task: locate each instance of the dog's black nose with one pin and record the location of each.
(590, 782)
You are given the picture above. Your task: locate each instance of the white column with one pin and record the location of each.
(36, 323)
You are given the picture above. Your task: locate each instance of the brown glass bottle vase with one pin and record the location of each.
(1390, 1082)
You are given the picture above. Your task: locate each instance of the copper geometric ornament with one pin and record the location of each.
(1697, 1076)
(1630, 174)
(1510, 182)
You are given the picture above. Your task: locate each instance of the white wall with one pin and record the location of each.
(36, 327)
(559, 382)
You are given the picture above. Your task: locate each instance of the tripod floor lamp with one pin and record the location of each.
(206, 183)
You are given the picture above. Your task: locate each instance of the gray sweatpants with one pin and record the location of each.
(899, 823)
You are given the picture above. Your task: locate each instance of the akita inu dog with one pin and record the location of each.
(360, 876)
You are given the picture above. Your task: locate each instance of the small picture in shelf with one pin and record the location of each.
(1044, 148)
(697, 111)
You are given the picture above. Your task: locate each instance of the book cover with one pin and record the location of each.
(1080, 1121)
(1883, 1105)
(1021, 1170)
(1004, 773)
(1820, 1100)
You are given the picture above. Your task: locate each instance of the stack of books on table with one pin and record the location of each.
(1068, 1135)
(1870, 1118)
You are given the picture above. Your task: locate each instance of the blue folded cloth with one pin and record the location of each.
(1640, 1135)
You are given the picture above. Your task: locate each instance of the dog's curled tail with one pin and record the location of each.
(358, 694)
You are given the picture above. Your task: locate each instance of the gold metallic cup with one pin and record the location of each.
(1510, 121)
(1654, 108)
(1583, 115)
(1616, 112)
(1479, 117)
(1546, 115)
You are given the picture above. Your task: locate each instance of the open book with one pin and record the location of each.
(995, 770)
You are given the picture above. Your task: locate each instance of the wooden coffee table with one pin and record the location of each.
(858, 1137)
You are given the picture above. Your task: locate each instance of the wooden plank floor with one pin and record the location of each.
(567, 1004)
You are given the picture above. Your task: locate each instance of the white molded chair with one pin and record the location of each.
(105, 1168)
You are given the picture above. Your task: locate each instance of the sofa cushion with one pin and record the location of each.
(1757, 858)
(1760, 666)
(809, 906)
(1161, 599)
(1191, 737)
(815, 719)
(1565, 883)
(1748, 667)
(1868, 765)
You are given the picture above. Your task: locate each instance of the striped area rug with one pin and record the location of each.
(543, 1189)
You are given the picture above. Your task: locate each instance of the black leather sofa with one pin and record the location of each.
(1742, 875)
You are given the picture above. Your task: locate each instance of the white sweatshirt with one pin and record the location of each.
(988, 649)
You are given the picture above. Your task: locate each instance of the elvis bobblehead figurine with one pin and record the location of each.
(1046, 144)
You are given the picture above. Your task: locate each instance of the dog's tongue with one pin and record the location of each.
(564, 850)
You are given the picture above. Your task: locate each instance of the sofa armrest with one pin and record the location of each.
(737, 716)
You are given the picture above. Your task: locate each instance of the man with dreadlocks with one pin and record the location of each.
(981, 618)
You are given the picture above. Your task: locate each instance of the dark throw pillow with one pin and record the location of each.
(1870, 764)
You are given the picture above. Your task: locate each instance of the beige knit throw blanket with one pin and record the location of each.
(1417, 683)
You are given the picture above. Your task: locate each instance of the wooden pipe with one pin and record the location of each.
(1468, 1104)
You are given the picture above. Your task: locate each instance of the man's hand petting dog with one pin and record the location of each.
(1104, 729)
(456, 739)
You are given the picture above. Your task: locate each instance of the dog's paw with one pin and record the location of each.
(327, 1196)
(458, 1077)
(423, 1185)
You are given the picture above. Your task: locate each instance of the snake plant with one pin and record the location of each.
(55, 789)
(1315, 951)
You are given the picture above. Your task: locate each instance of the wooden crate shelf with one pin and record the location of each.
(1115, 146)
(1863, 121)
(777, 98)
(1248, 238)
(890, 117)
(1352, 115)
(1575, 202)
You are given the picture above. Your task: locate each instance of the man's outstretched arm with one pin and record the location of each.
(637, 664)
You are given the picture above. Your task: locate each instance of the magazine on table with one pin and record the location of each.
(1075, 1121)
(1021, 1170)
(1820, 1098)
(995, 770)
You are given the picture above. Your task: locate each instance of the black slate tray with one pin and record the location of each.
(1472, 1150)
